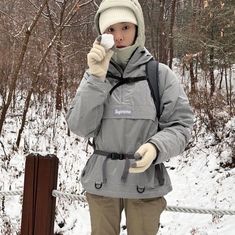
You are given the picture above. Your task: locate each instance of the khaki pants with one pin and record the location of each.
(142, 215)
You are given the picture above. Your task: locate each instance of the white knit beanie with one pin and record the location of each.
(116, 15)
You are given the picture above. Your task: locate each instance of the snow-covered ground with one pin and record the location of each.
(197, 177)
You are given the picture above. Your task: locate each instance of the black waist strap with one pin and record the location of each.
(115, 156)
(126, 157)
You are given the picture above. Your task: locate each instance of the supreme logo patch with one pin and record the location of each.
(122, 112)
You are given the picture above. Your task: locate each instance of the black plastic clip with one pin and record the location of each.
(98, 185)
(139, 189)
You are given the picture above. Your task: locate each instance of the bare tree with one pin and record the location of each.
(28, 32)
(171, 36)
(162, 50)
(72, 12)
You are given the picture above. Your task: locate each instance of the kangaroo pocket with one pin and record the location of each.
(131, 101)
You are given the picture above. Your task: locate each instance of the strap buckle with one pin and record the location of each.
(116, 156)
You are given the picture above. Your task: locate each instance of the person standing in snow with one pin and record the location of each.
(126, 170)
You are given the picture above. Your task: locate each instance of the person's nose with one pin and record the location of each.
(118, 37)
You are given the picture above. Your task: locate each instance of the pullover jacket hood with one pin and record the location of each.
(131, 4)
(122, 55)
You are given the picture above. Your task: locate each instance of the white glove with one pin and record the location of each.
(145, 156)
(98, 60)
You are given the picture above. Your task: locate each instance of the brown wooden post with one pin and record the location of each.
(38, 211)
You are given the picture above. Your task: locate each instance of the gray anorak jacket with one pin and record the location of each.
(123, 121)
(126, 119)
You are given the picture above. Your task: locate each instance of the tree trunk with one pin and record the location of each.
(230, 89)
(59, 64)
(171, 36)
(211, 70)
(226, 83)
(192, 77)
(26, 108)
(221, 77)
(162, 34)
(60, 74)
(211, 62)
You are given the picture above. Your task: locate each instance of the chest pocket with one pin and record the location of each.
(131, 101)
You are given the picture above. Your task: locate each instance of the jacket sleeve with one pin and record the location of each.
(176, 120)
(85, 114)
